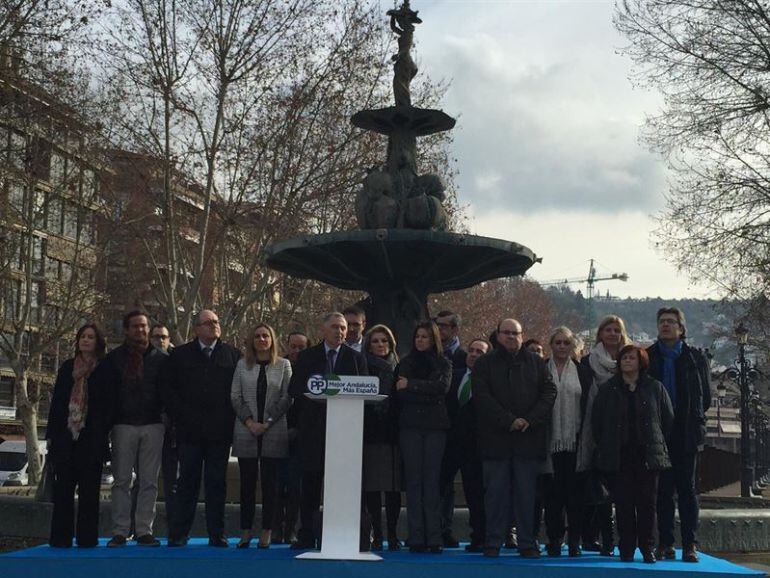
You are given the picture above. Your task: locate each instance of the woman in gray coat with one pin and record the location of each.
(260, 398)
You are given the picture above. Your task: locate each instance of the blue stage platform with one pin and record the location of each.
(199, 560)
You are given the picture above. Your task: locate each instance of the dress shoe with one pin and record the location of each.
(626, 558)
(60, 544)
(575, 551)
(491, 552)
(648, 556)
(592, 547)
(177, 541)
(475, 548)
(303, 545)
(665, 553)
(394, 544)
(690, 553)
(218, 542)
(376, 545)
(553, 549)
(436, 549)
(148, 540)
(117, 541)
(450, 541)
(418, 549)
(606, 551)
(529, 552)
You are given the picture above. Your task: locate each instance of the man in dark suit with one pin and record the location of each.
(329, 356)
(197, 384)
(449, 328)
(462, 437)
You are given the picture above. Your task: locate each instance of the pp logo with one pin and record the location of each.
(316, 384)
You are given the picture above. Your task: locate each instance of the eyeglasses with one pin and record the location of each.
(562, 342)
(509, 332)
(210, 322)
(667, 321)
(444, 324)
(160, 336)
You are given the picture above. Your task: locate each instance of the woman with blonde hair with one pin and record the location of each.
(382, 458)
(563, 488)
(602, 360)
(260, 398)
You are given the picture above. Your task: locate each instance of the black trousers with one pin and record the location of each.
(288, 494)
(422, 451)
(563, 494)
(249, 472)
(459, 456)
(169, 468)
(635, 491)
(310, 505)
(209, 457)
(679, 480)
(85, 474)
(392, 511)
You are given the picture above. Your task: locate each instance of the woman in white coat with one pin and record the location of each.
(260, 398)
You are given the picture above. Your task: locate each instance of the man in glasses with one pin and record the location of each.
(513, 395)
(161, 338)
(684, 372)
(197, 384)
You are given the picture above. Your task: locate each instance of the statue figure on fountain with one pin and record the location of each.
(396, 195)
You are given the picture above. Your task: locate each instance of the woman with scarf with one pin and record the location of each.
(382, 458)
(632, 415)
(611, 337)
(563, 487)
(78, 425)
(424, 379)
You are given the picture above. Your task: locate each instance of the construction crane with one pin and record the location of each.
(590, 282)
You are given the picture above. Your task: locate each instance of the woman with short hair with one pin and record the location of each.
(79, 422)
(632, 416)
(260, 398)
(563, 487)
(425, 376)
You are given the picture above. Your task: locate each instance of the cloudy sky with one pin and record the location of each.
(547, 136)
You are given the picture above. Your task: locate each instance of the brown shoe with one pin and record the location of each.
(690, 554)
(665, 552)
(529, 552)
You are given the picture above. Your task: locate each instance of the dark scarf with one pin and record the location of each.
(670, 355)
(423, 363)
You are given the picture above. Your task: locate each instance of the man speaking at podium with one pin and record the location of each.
(331, 356)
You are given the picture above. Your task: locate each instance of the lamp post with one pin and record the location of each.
(747, 470)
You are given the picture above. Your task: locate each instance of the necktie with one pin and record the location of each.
(331, 357)
(464, 391)
(207, 352)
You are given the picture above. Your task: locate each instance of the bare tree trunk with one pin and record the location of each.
(28, 413)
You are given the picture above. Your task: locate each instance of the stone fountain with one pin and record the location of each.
(402, 252)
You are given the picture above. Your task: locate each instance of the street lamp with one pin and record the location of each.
(747, 469)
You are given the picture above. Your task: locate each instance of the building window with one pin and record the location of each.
(54, 221)
(70, 228)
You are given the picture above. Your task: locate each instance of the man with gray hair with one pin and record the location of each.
(197, 383)
(331, 356)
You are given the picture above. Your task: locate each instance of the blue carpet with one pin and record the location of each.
(199, 560)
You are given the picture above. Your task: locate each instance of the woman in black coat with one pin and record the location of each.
(382, 458)
(424, 379)
(78, 425)
(632, 415)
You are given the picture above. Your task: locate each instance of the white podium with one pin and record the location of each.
(344, 396)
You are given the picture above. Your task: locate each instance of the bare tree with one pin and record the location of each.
(710, 60)
(252, 100)
(49, 259)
